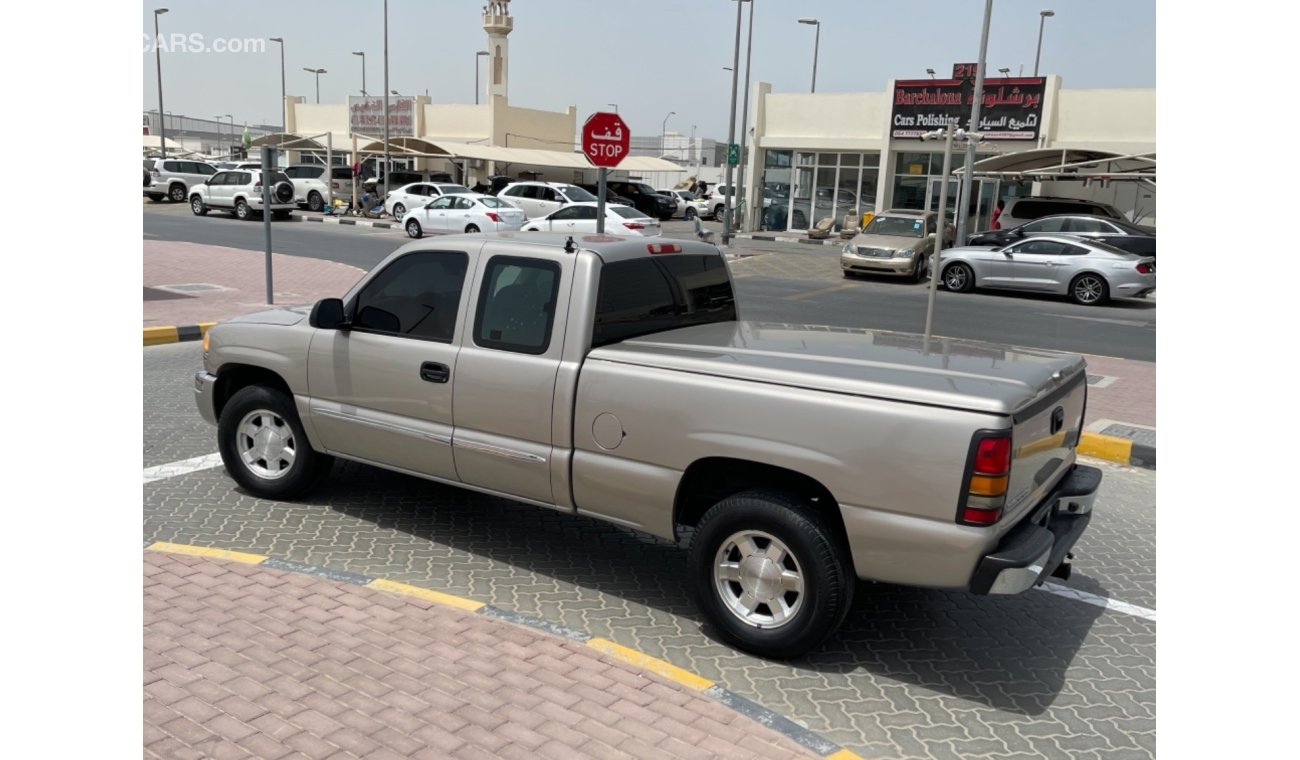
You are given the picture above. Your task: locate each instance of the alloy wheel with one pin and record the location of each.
(758, 579)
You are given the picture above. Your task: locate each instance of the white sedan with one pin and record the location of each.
(580, 217)
(463, 212)
(417, 194)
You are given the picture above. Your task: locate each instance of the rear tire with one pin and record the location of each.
(156, 197)
(176, 193)
(959, 278)
(264, 447)
(282, 213)
(242, 210)
(1089, 289)
(315, 202)
(690, 214)
(471, 228)
(773, 577)
(399, 211)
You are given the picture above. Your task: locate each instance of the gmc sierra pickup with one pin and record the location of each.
(612, 377)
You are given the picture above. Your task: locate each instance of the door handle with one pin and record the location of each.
(434, 372)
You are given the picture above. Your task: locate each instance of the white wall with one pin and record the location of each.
(830, 121)
(1120, 120)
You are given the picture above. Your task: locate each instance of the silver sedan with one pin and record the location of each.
(1087, 271)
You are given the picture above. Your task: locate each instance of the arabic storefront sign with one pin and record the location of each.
(1011, 110)
(366, 116)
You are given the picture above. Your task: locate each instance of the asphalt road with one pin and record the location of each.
(913, 673)
(776, 282)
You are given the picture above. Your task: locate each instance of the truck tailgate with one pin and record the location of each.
(1045, 432)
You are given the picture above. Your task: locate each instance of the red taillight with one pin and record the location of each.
(334, 185)
(257, 185)
(990, 476)
(664, 248)
(155, 172)
(1145, 268)
(493, 216)
(634, 225)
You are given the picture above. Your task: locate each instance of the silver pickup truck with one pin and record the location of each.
(612, 378)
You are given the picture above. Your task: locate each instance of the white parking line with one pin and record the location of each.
(1100, 601)
(183, 467)
(209, 461)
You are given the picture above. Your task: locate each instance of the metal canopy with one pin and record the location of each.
(1067, 165)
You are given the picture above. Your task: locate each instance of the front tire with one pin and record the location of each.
(1089, 289)
(771, 576)
(959, 278)
(197, 206)
(413, 229)
(264, 447)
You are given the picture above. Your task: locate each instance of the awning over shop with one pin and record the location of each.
(154, 143)
(1068, 164)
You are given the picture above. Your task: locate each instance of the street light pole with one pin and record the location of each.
(1042, 18)
(157, 54)
(744, 122)
(317, 72)
(963, 199)
(284, 120)
(363, 71)
(817, 43)
(663, 133)
(941, 227)
(480, 54)
(731, 132)
(388, 161)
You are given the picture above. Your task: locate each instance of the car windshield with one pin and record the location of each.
(895, 226)
(578, 195)
(627, 212)
(491, 202)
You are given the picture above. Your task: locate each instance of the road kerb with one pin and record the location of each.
(1115, 449)
(791, 730)
(155, 336)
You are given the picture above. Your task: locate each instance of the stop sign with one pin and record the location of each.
(605, 139)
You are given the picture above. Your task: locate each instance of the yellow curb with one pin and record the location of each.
(844, 754)
(437, 597)
(1107, 447)
(652, 664)
(203, 551)
(155, 335)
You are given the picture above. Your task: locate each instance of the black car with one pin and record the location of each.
(1124, 235)
(610, 195)
(645, 199)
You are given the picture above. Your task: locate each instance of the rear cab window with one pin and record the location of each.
(516, 304)
(657, 293)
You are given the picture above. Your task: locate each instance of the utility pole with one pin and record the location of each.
(387, 160)
(741, 195)
(731, 132)
(157, 54)
(963, 199)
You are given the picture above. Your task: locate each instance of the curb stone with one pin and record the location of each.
(663, 668)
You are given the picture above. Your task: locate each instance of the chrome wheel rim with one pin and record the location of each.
(413, 229)
(196, 205)
(758, 579)
(1088, 289)
(266, 444)
(241, 210)
(178, 194)
(399, 210)
(955, 278)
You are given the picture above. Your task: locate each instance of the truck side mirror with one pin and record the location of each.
(328, 314)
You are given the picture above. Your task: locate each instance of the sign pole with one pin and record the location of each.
(942, 227)
(268, 169)
(962, 203)
(600, 202)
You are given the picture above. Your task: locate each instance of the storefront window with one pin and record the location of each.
(776, 189)
(806, 159)
(913, 164)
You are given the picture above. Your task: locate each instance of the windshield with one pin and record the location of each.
(894, 226)
(578, 195)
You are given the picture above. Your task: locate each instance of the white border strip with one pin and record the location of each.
(183, 467)
(1099, 601)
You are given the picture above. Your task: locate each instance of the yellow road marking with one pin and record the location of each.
(811, 293)
(844, 754)
(437, 597)
(204, 551)
(652, 664)
(1105, 447)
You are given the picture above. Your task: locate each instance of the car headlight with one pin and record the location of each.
(904, 253)
(848, 248)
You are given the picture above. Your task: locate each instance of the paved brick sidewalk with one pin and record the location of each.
(245, 661)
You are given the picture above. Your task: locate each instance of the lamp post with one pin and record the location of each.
(1005, 72)
(219, 117)
(731, 133)
(816, 46)
(363, 71)
(962, 203)
(615, 105)
(317, 72)
(744, 121)
(948, 134)
(930, 72)
(157, 55)
(1043, 15)
(387, 160)
(284, 120)
(480, 54)
(663, 132)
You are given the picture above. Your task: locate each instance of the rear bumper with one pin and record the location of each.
(1034, 549)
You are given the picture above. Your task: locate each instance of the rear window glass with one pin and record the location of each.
(578, 195)
(627, 212)
(647, 295)
(454, 188)
(491, 202)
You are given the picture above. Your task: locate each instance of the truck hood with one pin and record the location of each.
(289, 315)
(970, 375)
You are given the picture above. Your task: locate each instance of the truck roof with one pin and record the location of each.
(609, 247)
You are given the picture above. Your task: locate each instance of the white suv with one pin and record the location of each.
(537, 199)
(172, 178)
(240, 191)
(689, 205)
